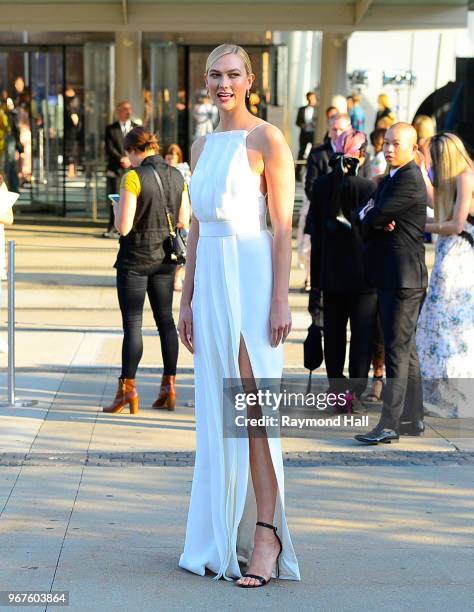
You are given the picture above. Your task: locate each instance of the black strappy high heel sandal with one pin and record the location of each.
(261, 579)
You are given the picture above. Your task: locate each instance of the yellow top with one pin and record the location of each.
(131, 183)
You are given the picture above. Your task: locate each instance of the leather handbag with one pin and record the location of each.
(178, 246)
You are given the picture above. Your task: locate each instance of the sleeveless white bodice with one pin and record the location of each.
(225, 189)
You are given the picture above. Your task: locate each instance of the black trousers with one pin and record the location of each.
(305, 138)
(131, 289)
(113, 186)
(360, 309)
(403, 396)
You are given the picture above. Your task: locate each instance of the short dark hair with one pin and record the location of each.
(139, 139)
(330, 109)
(376, 134)
(309, 94)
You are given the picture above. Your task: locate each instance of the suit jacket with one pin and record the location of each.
(318, 164)
(114, 148)
(396, 259)
(337, 260)
(300, 122)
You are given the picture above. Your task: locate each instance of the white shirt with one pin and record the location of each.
(125, 126)
(308, 118)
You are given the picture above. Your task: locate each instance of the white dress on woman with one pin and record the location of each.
(445, 330)
(232, 298)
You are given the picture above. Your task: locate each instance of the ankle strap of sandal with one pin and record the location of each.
(261, 524)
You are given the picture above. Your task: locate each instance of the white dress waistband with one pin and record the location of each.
(220, 229)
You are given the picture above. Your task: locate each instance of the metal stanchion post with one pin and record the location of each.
(12, 401)
(94, 193)
(11, 322)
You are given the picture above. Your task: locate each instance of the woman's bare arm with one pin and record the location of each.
(280, 179)
(185, 323)
(124, 212)
(465, 190)
(184, 210)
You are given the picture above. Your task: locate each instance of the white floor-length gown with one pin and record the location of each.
(232, 298)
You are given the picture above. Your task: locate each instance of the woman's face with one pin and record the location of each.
(172, 159)
(378, 144)
(228, 82)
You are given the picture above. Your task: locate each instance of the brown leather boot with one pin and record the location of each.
(167, 396)
(126, 394)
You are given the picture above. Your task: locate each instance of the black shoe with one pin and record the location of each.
(412, 428)
(378, 435)
(263, 581)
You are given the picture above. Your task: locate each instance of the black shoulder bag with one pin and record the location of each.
(178, 244)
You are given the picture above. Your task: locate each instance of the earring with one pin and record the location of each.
(248, 93)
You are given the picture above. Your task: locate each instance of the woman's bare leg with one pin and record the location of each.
(266, 547)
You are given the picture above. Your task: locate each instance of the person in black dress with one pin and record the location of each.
(144, 264)
(337, 264)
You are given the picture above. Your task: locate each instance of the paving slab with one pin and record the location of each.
(367, 538)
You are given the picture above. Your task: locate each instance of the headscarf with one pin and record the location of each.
(344, 163)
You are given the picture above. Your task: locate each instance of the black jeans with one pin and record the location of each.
(360, 309)
(131, 289)
(403, 396)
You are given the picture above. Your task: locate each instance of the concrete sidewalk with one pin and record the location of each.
(96, 504)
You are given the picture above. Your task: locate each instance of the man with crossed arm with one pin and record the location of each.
(392, 225)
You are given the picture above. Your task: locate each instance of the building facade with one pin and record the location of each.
(64, 67)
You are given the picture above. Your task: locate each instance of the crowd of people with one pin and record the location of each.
(368, 210)
(358, 271)
(366, 216)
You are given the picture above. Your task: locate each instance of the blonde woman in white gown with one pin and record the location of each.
(445, 330)
(234, 317)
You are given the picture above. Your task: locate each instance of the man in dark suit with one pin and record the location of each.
(319, 156)
(392, 224)
(306, 121)
(117, 160)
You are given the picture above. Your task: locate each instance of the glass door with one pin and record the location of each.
(46, 76)
(15, 121)
(98, 112)
(161, 95)
(55, 103)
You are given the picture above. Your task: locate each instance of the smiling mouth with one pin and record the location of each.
(225, 96)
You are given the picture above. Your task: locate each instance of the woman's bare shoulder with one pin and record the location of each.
(270, 139)
(466, 178)
(269, 135)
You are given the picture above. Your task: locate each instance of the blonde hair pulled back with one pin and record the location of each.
(227, 49)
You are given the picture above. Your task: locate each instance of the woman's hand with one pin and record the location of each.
(185, 327)
(280, 322)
